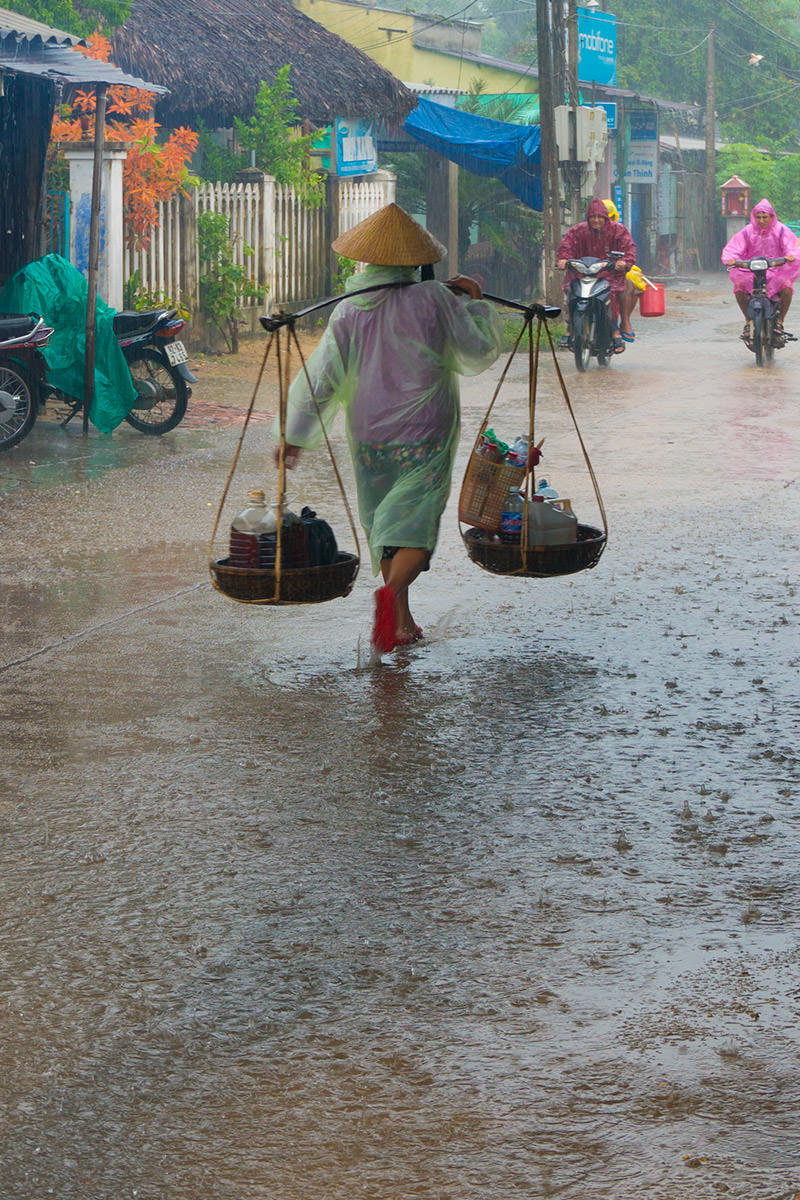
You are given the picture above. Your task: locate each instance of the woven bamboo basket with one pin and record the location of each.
(485, 490)
(538, 562)
(297, 585)
(290, 584)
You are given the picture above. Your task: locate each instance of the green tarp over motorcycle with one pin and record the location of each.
(57, 291)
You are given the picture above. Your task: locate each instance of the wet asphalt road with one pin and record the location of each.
(511, 915)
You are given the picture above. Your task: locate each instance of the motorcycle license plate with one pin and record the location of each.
(176, 353)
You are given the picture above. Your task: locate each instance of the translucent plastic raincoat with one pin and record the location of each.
(774, 241)
(390, 358)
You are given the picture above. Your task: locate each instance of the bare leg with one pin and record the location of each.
(742, 299)
(399, 572)
(629, 298)
(785, 299)
(616, 336)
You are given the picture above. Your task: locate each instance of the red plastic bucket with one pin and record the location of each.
(652, 302)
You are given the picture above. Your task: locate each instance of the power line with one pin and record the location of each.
(663, 28)
(766, 28)
(682, 53)
(735, 54)
(772, 96)
(432, 25)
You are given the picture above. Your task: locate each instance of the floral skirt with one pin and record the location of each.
(402, 491)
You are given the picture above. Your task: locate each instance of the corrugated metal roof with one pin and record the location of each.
(63, 64)
(28, 30)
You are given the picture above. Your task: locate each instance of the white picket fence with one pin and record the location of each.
(289, 243)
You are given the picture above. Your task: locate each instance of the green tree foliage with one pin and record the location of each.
(271, 141)
(82, 18)
(662, 51)
(217, 163)
(775, 177)
(223, 282)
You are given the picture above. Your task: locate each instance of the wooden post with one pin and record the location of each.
(437, 203)
(333, 213)
(452, 232)
(188, 293)
(101, 91)
(549, 155)
(710, 224)
(573, 97)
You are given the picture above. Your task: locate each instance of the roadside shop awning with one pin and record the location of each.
(510, 153)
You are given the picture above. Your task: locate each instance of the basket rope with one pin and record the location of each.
(533, 348)
(283, 363)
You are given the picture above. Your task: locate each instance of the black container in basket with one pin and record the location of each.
(502, 559)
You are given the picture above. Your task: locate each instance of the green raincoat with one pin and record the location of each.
(391, 359)
(57, 291)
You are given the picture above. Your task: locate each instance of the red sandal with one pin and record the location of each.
(383, 631)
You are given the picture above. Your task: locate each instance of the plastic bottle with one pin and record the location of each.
(489, 447)
(549, 525)
(248, 529)
(511, 518)
(518, 452)
(545, 491)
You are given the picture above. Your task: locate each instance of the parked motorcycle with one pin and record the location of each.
(158, 363)
(22, 375)
(589, 307)
(762, 312)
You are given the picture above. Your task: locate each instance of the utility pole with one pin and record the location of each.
(551, 215)
(101, 97)
(573, 98)
(710, 224)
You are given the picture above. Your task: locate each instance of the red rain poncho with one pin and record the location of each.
(581, 241)
(773, 241)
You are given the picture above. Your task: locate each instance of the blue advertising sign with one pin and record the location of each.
(597, 47)
(611, 113)
(356, 147)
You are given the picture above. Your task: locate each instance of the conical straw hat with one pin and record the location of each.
(390, 238)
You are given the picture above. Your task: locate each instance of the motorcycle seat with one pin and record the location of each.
(15, 325)
(128, 323)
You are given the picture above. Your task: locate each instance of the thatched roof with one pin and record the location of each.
(214, 54)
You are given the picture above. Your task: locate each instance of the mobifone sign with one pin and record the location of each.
(597, 47)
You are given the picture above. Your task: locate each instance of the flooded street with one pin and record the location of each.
(512, 915)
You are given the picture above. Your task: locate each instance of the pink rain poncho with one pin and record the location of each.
(391, 358)
(774, 241)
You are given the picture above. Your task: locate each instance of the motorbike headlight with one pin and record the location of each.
(758, 264)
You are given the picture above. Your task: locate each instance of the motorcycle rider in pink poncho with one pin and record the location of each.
(764, 237)
(391, 359)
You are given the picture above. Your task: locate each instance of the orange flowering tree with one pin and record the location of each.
(154, 171)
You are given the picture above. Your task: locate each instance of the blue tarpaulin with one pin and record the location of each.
(511, 153)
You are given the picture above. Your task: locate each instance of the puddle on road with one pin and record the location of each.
(510, 915)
